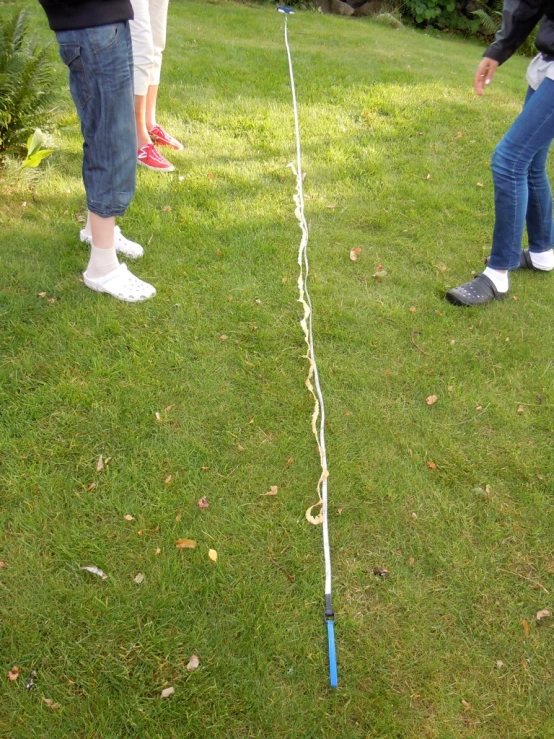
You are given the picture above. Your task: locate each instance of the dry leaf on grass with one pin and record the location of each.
(431, 464)
(379, 274)
(166, 692)
(499, 664)
(240, 447)
(525, 625)
(95, 571)
(185, 544)
(355, 253)
(100, 464)
(212, 554)
(412, 309)
(520, 409)
(193, 664)
(157, 416)
(203, 502)
(381, 572)
(273, 490)
(157, 550)
(167, 209)
(168, 479)
(2, 564)
(466, 705)
(128, 517)
(13, 674)
(91, 487)
(50, 703)
(545, 613)
(431, 399)
(139, 578)
(223, 337)
(289, 462)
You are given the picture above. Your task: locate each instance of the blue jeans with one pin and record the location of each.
(522, 193)
(100, 62)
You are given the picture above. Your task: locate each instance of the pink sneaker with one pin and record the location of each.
(163, 138)
(150, 157)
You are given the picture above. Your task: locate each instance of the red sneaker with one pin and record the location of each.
(163, 138)
(150, 157)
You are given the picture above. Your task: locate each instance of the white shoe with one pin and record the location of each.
(121, 284)
(122, 245)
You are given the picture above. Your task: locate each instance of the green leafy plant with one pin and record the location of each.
(35, 152)
(26, 79)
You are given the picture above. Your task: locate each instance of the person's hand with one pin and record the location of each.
(484, 74)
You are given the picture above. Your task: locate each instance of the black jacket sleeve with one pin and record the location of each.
(519, 17)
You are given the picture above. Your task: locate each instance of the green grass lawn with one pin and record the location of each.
(454, 499)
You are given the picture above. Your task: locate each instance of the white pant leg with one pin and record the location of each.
(158, 23)
(143, 45)
(148, 31)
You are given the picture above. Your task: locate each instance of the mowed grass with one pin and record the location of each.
(454, 498)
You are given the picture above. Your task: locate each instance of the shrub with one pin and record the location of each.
(26, 80)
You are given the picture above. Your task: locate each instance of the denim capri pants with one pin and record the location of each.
(100, 62)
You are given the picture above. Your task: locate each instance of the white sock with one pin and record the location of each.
(500, 279)
(101, 262)
(543, 259)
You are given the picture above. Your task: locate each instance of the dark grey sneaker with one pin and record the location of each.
(478, 291)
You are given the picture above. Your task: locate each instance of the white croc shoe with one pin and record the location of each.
(122, 245)
(121, 284)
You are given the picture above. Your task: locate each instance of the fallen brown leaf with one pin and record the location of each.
(499, 664)
(157, 550)
(168, 479)
(284, 280)
(219, 252)
(13, 674)
(157, 416)
(100, 464)
(212, 554)
(128, 517)
(355, 253)
(240, 447)
(91, 487)
(289, 462)
(139, 578)
(193, 663)
(431, 399)
(525, 627)
(2, 565)
(50, 703)
(466, 705)
(272, 491)
(223, 337)
(185, 544)
(412, 309)
(203, 502)
(545, 613)
(381, 572)
(178, 517)
(167, 209)
(41, 295)
(431, 464)
(520, 409)
(166, 692)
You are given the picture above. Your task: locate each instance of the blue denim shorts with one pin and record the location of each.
(100, 62)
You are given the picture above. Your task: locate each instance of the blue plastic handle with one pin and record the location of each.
(284, 9)
(333, 675)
